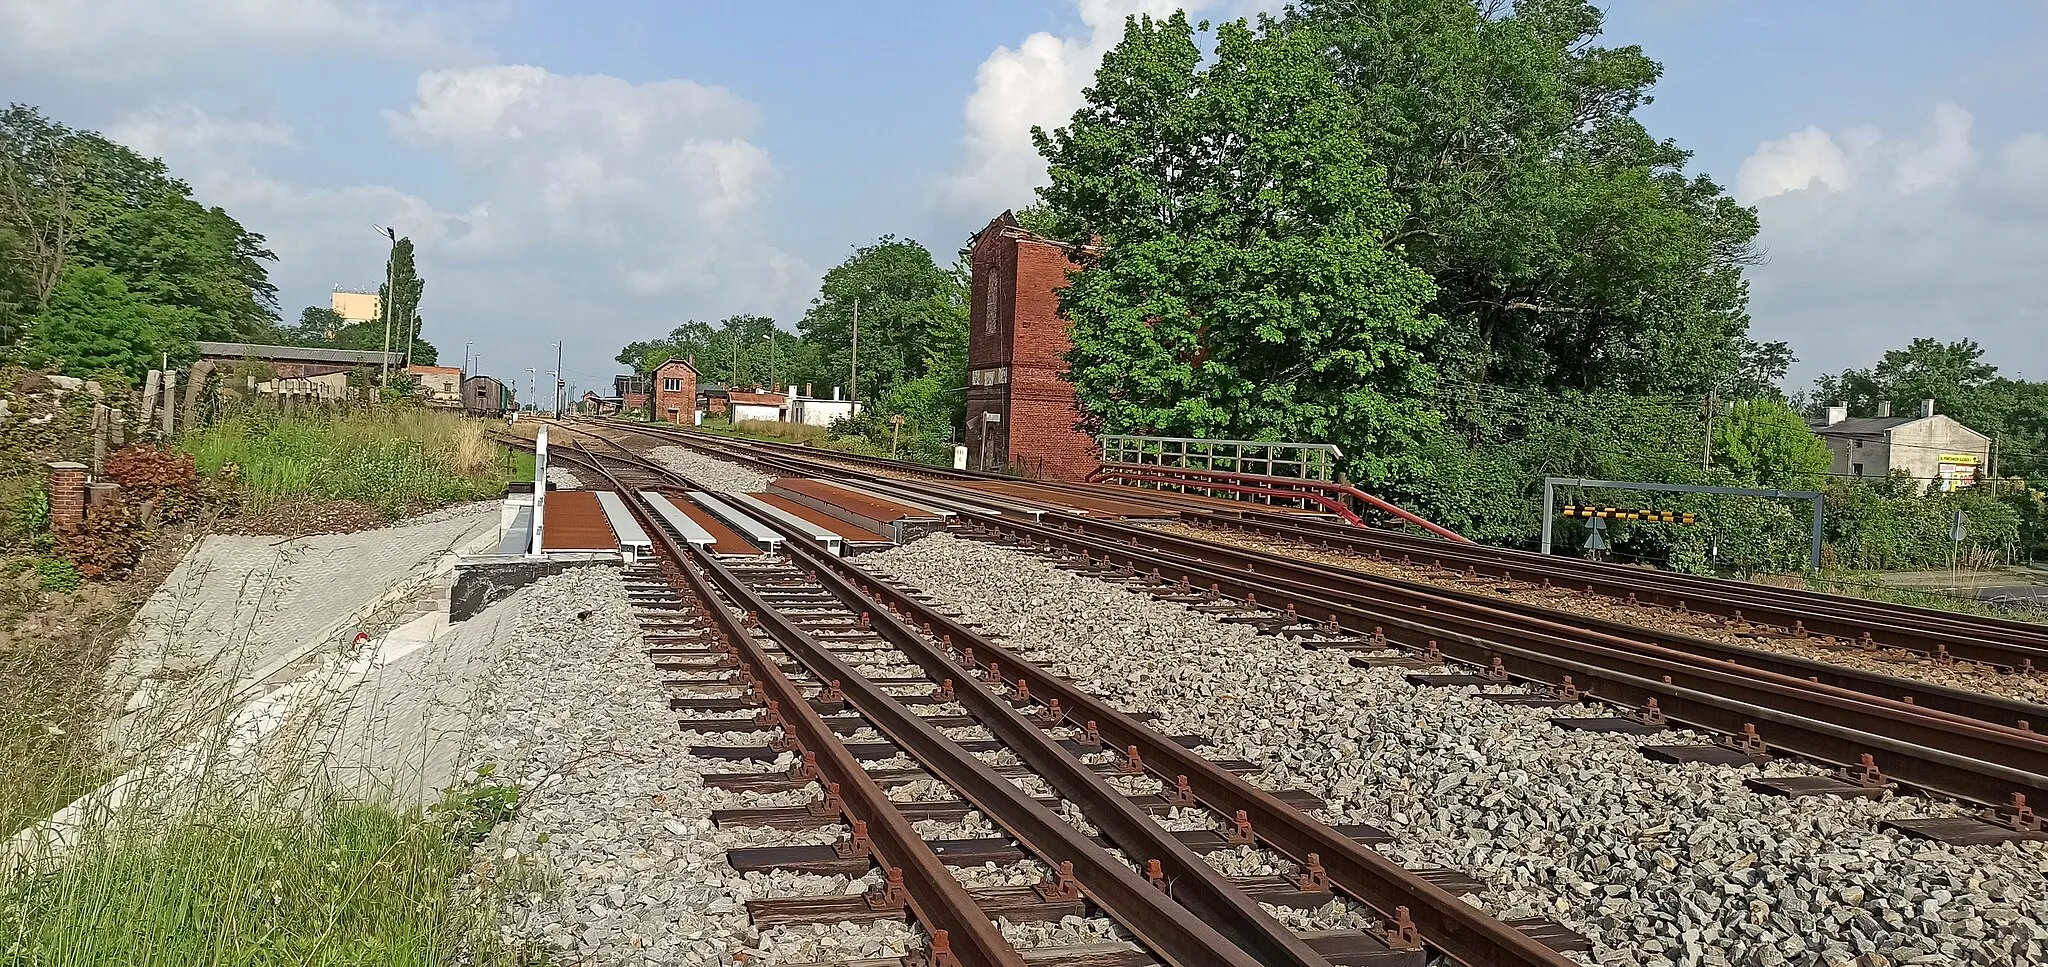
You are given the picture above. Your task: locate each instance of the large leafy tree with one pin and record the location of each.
(742, 350)
(904, 299)
(73, 198)
(1767, 444)
(92, 322)
(1244, 277)
(1569, 247)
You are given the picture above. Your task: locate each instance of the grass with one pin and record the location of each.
(398, 459)
(354, 885)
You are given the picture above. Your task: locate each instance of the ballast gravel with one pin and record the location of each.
(711, 472)
(614, 821)
(1660, 866)
(1894, 662)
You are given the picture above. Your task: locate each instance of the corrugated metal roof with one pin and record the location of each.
(244, 350)
(1864, 425)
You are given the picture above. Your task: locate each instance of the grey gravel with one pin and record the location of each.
(614, 821)
(710, 472)
(563, 478)
(1660, 866)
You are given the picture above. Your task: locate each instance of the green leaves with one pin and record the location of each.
(1768, 445)
(93, 322)
(1242, 283)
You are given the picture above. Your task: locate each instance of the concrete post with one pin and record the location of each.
(67, 497)
(194, 382)
(146, 405)
(101, 417)
(170, 424)
(118, 428)
(540, 488)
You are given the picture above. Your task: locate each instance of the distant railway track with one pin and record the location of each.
(1946, 741)
(796, 635)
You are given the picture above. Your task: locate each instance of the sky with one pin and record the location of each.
(599, 172)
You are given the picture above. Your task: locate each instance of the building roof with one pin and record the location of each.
(757, 399)
(244, 350)
(1862, 425)
(675, 361)
(434, 370)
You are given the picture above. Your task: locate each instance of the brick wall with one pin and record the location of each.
(683, 401)
(67, 496)
(1043, 438)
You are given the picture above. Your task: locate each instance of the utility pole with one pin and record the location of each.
(558, 379)
(853, 371)
(774, 372)
(530, 392)
(1707, 448)
(465, 356)
(390, 293)
(555, 375)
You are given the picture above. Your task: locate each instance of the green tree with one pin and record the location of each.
(1767, 444)
(93, 322)
(71, 198)
(1568, 246)
(742, 350)
(317, 327)
(904, 298)
(1246, 280)
(403, 310)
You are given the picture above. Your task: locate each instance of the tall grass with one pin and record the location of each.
(397, 459)
(353, 885)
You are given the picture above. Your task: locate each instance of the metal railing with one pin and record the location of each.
(1266, 458)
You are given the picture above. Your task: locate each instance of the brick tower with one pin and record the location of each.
(1021, 415)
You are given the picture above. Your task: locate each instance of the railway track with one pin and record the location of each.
(1877, 729)
(817, 650)
(1853, 622)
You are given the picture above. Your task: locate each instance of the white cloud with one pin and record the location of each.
(597, 208)
(1039, 83)
(1873, 240)
(126, 38)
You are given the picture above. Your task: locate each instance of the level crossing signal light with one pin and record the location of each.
(1616, 513)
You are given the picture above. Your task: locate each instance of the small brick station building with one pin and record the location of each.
(1021, 415)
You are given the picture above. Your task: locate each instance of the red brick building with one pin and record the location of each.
(675, 392)
(1021, 415)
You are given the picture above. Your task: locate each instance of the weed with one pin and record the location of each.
(396, 459)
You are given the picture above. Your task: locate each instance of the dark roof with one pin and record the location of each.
(1861, 425)
(675, 361)
(243, 350)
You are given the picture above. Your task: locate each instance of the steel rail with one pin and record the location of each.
(1994, 709)
(1936, 751)
(1201, 920)
(936, 899)
(2000, 642)
(1177, 928)
(1926, 695)
(1993, 641)
(1459, 930)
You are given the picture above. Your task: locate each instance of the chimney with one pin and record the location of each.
(835, 394)
(807, 392)
(1884, 408)
(1837, 412)
(1926, 408)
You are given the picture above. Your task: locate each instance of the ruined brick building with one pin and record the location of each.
(1021, 416)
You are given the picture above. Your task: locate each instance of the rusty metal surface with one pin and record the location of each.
(1179, 929)
(576, 522)
(936, 899)
(848, 531)
(1467, 934)
(1996, 641)
(1941, 752)
(863, 505)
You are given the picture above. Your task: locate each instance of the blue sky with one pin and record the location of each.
(599, 172)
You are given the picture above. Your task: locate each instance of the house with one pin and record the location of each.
(675, 392)
(631, 390)
(440, 386)
(1935, 450)
(808, 409)
(767, 407)
(595, 405)
(297, 370)
(1021, 413)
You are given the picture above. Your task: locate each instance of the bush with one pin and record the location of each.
(396, 460)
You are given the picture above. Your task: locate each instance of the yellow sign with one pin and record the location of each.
(1968, 459)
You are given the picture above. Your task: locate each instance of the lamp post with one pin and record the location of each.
(390, 293)
(558, 380)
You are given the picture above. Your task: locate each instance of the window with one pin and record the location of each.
(672, 384)
(1856, 468)
(995, 299)
(1859, 444)
(989, 377)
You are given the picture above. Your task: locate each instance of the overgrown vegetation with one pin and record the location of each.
(398, 459)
